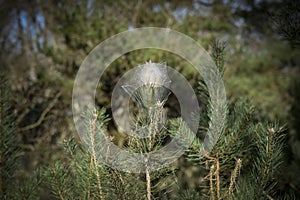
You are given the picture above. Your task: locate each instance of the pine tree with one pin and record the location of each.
(244, 163)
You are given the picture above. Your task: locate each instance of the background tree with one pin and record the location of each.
(286, 24)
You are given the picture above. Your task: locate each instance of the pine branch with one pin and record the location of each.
(211, 184)
(270, 145)
(217, 175)
(92, 129)
(118, 182)
(58, 177)
(218, 54)
(234, 175)
(9, 150)
(31, 187)
(148, 183)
